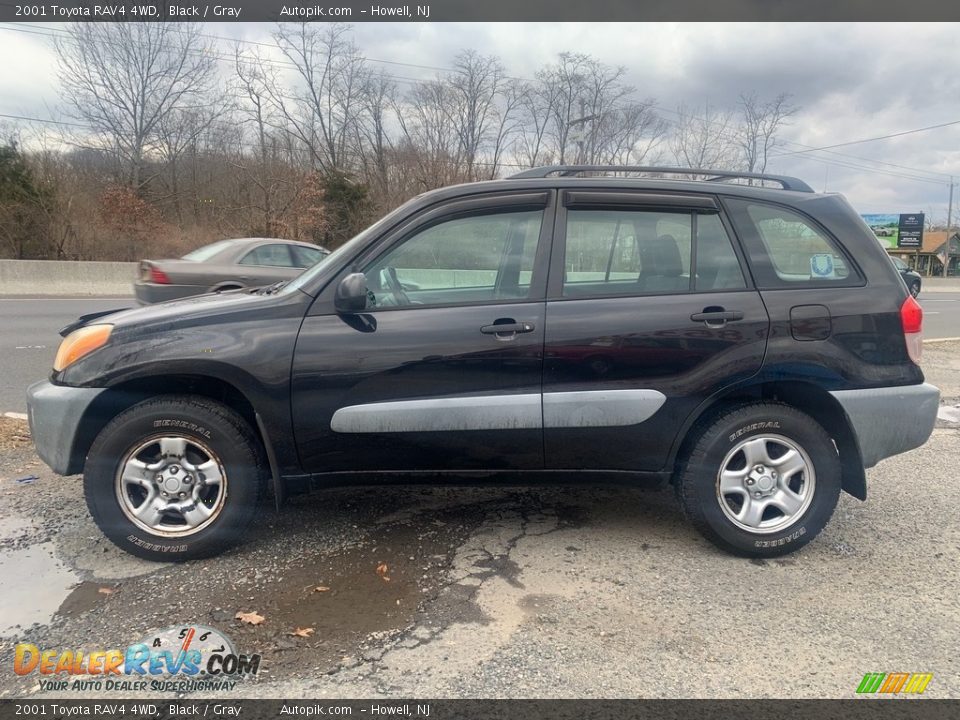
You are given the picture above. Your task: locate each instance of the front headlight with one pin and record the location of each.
(79, 343)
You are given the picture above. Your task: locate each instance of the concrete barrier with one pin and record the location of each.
(62, 277)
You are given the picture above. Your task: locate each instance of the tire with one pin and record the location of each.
(723, 506)
(169, 451)
(915, 288)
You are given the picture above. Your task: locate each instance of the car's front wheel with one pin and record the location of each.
(915, 288)
(760, 480)
(175, 478)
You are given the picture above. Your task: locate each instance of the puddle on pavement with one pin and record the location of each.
(359, 601)
(35, 582)
(85, 596)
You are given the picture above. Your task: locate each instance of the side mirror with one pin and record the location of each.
(351, 294)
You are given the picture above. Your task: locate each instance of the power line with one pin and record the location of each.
(42, 120)
(873, 139)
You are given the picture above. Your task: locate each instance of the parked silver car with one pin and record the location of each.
(225, 265)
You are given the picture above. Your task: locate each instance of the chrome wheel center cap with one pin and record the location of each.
(171, 485)
(765, 483)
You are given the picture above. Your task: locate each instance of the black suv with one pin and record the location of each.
(753, 346)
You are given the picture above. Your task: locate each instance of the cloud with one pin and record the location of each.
(852, 80)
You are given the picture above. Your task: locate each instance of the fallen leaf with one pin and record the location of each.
(302, 632)
(106, 591)
(251, 618)
(321, 588)
(382, 571)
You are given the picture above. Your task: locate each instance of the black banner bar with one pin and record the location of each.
(154, 709)
(474, 11)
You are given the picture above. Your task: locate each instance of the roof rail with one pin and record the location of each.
(785, 181)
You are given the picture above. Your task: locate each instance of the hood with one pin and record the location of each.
(186, 311)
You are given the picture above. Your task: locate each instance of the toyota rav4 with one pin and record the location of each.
(751, 345)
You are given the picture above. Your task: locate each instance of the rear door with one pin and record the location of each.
(649, 312)
(443, 370)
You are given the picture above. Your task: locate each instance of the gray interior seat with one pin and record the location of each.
(661, 266)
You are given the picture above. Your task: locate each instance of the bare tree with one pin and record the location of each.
(704, 138)
(535, 103)
(373, 141)
(125, 79)
(431, 138)
(760, 121)
(475, 90)
(631, 135)
(324, 109)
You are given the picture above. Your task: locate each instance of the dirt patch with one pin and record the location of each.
(14, 433)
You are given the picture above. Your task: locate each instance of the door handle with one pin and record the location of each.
(507, 328)
(717, 316)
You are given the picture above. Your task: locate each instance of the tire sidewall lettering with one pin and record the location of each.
(753, 427)
(177, 424)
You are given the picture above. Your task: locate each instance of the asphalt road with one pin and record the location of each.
(29, 340)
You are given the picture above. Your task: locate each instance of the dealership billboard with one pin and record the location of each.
(896, 230)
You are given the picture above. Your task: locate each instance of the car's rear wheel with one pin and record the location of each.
(759, 480)
(175, 478)
(915, 288)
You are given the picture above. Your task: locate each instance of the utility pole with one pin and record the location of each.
(579, 133)
(946, 247)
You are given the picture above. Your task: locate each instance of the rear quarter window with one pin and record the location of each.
(788, 249)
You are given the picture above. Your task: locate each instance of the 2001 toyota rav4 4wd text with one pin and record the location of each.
(752, 345)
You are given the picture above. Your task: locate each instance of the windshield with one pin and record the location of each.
(207, 251)
(345, 250)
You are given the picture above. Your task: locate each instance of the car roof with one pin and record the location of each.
(244, 242)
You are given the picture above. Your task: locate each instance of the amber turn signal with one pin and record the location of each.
(79, 343)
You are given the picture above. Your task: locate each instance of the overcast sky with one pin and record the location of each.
(852, 81)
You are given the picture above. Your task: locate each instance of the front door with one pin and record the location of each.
(443, 370)
(649, 313)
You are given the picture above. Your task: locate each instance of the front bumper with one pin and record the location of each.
(56, 413)
(890, 420)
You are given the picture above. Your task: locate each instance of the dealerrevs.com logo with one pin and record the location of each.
(184, 658)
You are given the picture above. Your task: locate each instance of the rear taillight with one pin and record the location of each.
(158, 276)
(911, 318)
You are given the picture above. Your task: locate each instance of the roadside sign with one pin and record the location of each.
(910, 233)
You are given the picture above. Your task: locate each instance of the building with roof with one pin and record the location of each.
(929, 259)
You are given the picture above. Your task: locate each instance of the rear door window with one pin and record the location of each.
(647, 252)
